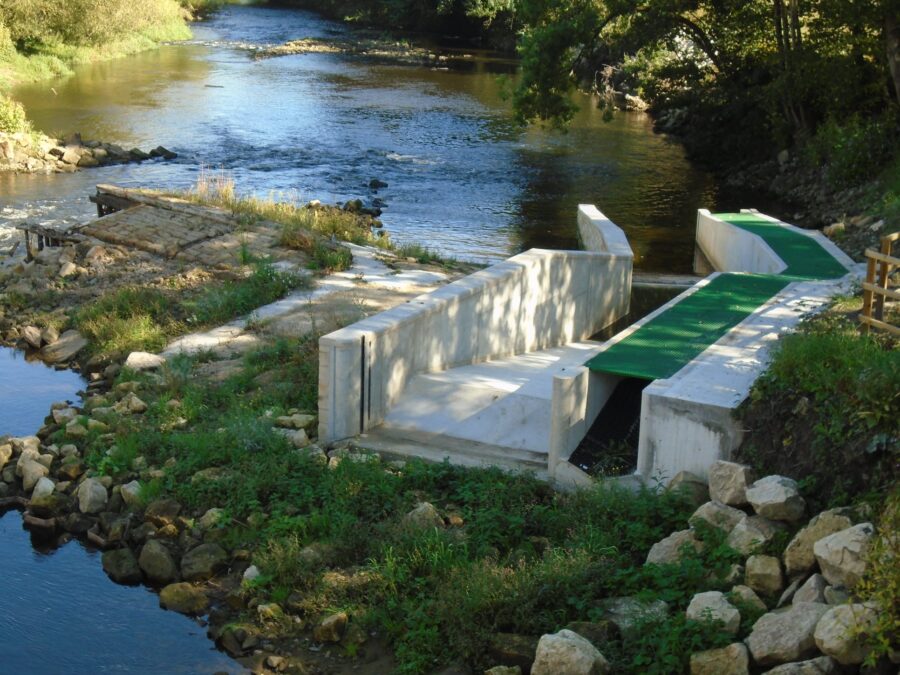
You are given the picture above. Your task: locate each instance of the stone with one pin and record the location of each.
(251, 573)
(669, 550)
(504, 670)
(70, 469)
(65, 349)
(841, 556)
(788, 594)
(203, 562)
(714, 606)
(269, 611)
(92, 496)
(162, 512)
(296, 421)
(68, 269)
(567, 653)
(423, 517)
(777, 498)
(31, 335)
(297, 437)
(627, 613)
(42, 488)
(49, 335)
(131, 404)
(718, 515)
(836, 596)
(824, 665)
(144, 361)
(211, 518)
(6, 451)
(691, 486)
(183, 597)
(75, 429)
(595, 632)
(799, 556)
(837, 633)
(157, 563)
(510, 649)
(730, 660)
(32, 472)
(748, 596)
(813, 590)
(331, 628)
(71, 155)
(786, 634)
(64, 415)
(728, 482)
(751, 534)
(121, 566)
(764, 575)
(131, 493)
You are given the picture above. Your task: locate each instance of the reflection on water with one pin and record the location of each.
(462, 178)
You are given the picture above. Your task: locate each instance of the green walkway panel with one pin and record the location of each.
(668, 342)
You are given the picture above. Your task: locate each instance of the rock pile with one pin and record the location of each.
(29, 153)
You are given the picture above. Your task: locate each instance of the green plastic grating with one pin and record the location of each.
(665, 344)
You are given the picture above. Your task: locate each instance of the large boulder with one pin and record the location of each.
(752, 533)
(824, 665)
(798, 556)
(162, 512)
(838, 632)
(32, 471)
(92, 496)
(693, 488)
(785, 635)
(714, 606)
(812, 590)
(157, 563)
(144, 361)
(842, 555)
(730, 660)
(763, 574)
(748, 596)
(131, 494)
(6, 451)
(423, 517)
(42, 488)
(67, 347)
(777, 498)
(718, 515)
(511, 649)
(627, 614)
(203, 562)
(567, 653)
(728, 482)
(121, 566)
(670, 549)
(331, 628)
(184, 598)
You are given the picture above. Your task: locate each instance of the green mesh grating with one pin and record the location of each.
(805, 257)
(663, 345)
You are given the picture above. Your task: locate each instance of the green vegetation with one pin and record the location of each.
(825, 413)
(145, 318)
(12, 116)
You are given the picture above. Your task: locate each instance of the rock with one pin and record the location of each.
(296, 421)
(627, 613)
(751, 534)
(52, 505)
(211, 518)
(833, 230)
(6, 451)
(798, 556)
(595, 632)
(694, 488)
(567, 653)
(504, 670)
(49, 335)
(824, 665)
(158, 563)
(251, 573)
(669, 550)
(776, 498)
(32, 472)
(764, 575)
(92, 496)
(813, 590)
(718, 515)
(510, 649)
(144, 361)
(203, 562)
(836, 596)
(71, 469)
(71, 155)
(331, 628)
(749, 597)
(31, 335)
(42, 488)
(130, 404)
(121, 566)
(67, 347)
(162, 512)
(788, 593)
(68, 269)
(728, 482)
(423, 517)
(785, 635)
(269, 611)
(63, 416)
(841, 556)
(713, 606)
(131, 494)
(838, 632)
(730, 660)
(75, 429)
(184, 598)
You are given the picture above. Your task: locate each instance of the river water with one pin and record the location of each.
(463, 179)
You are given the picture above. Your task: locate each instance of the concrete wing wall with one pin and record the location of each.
(731, 249)
(535, 300)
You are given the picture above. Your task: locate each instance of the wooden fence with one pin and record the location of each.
(876, 288)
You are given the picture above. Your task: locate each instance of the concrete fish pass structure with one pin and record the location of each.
(499, 368)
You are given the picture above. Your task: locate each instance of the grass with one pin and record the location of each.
(424, 255)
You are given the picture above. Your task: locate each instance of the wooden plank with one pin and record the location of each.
(875, 255)
(878, 290)
(867, 293)
(868, 320)
(170, 203)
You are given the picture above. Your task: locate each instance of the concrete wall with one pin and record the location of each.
(535, 300)
(599, 233)
(730, 249)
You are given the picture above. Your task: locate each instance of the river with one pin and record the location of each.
(463, 179)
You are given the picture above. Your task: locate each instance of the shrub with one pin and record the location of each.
(12, 116)
(854, 150)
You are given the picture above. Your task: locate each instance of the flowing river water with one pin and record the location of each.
(462, 179)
